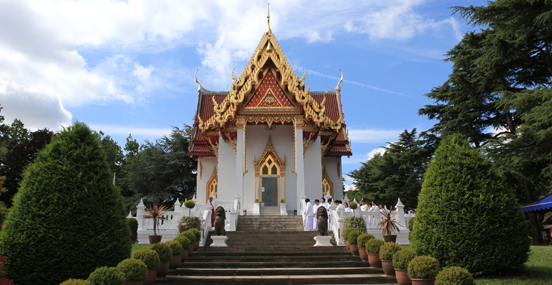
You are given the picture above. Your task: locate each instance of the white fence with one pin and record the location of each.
(168, 227)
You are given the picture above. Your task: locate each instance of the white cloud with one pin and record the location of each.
(374, 152)
(373, 135)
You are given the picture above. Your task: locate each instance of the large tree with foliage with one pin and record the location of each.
(68, 218)
(463, 211)
(398, 172)
(160, 171)
(494, 70)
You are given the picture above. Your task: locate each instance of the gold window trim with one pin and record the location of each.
(327, 184)
(270, 154)
(212, 182)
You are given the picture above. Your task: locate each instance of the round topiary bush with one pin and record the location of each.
(362, 239)
(463, 210)
(176, 247)
(423, 267)
(402, 258)
(388, 249)
(353, 236)
(75, 282)
(346, 232)
(133, 225)
(374, 245)
(133, 269)
(355, 222)
(191, 223)
(149, 257)
(164, 251)
(184, 241)
(190, 204)
(197, 234)
(353, 205)
(68, 218)
(106, 275)
(454, 275)
(190, 235)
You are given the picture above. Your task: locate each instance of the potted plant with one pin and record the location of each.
(176, 249)
(386, 253)
(156, 213)
(345, 233)
(165, 254)
(422, 270)
(75, 282)
(190, 204)
(134, 271)
(401, 259)
(106, 275)
(355, 222)
(361, 243)
(352, 238)
(185, 242)
(191, 237)
(151, 259)
(372, 249)
(187, 222)
(388, 226)
(197, 234)
(353, 205)
(454, 275)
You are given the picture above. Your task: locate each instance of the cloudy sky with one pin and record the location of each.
(127, 67)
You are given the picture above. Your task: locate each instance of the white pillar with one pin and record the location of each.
(299, 163)
(239, 161)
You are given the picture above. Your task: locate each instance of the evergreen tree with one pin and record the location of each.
(464, 210)
(68, 218)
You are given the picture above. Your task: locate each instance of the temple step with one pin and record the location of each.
(277, 255)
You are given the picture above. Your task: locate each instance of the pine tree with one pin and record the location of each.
(465, 216)
(68, 218)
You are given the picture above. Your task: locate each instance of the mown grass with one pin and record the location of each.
(137, 247)
(537, 271)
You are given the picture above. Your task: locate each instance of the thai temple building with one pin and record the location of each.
(269, 142)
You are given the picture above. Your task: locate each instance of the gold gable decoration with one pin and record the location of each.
(269, 152)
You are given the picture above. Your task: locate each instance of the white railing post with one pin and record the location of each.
(400, 213)
(140, 212)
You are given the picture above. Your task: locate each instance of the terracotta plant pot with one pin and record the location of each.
(389, 238)
(347, 245)
(354, 249)
(190, 250)
(152, 274)
(196, 245)
(363, 254)
(423, 281)
(130, 282)
(175, 261)
(402, 277)
(388, 268)
(163, 268)
(184, 255)
(155, 239)
(374, 260)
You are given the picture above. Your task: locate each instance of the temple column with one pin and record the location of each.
(240, 151)
(299, 164)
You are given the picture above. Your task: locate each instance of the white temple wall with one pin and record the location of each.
(333, 167)
(313, 170)
(256, 140)
(208, 165)
(226, 171)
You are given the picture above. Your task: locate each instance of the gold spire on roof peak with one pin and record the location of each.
(268, 31)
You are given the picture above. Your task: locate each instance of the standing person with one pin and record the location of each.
(374, 206)
(324, 203)
(315, 208)
(210, 202)
(340, 206)
(363, 205)
(346, 206)
(309, 215)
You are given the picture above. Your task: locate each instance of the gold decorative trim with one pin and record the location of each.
(269, 151)
(326, 178)
(212, 179)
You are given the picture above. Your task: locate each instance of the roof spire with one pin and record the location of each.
(268, 31)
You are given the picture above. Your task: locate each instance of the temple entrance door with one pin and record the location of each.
(269, 191)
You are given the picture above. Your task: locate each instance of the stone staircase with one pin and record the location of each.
(273, 249)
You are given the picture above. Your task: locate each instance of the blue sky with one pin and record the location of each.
(128, 66)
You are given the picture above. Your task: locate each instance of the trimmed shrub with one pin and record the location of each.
(402, 258)
(355, 222)
(184, 241)
(67, 212)
(463, 210)
(75, 282)
(197, 234)
(353, 236)
(362, 239)
(423, 267)
(190, 235)
(164, 251)
(190, 204)
(191, 222)
(411, 223)
(353, 205)
(133, 269)
(106, 276)
(388, 249)
(346, 231)
(454, 276)
(149, 257)
(176, 247)
(374, 245)
(133, 225)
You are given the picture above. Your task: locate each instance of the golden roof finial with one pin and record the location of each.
(198, 84)
(339, 82)
(268, 31)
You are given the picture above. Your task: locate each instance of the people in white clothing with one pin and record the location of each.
(374, 206)
(315, 208)
(340, 207)
(309, 215)
(363, 205)
(346, 206)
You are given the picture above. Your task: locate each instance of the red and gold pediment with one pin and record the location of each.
(269, 95)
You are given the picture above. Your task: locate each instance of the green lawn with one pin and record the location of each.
(137, 247)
